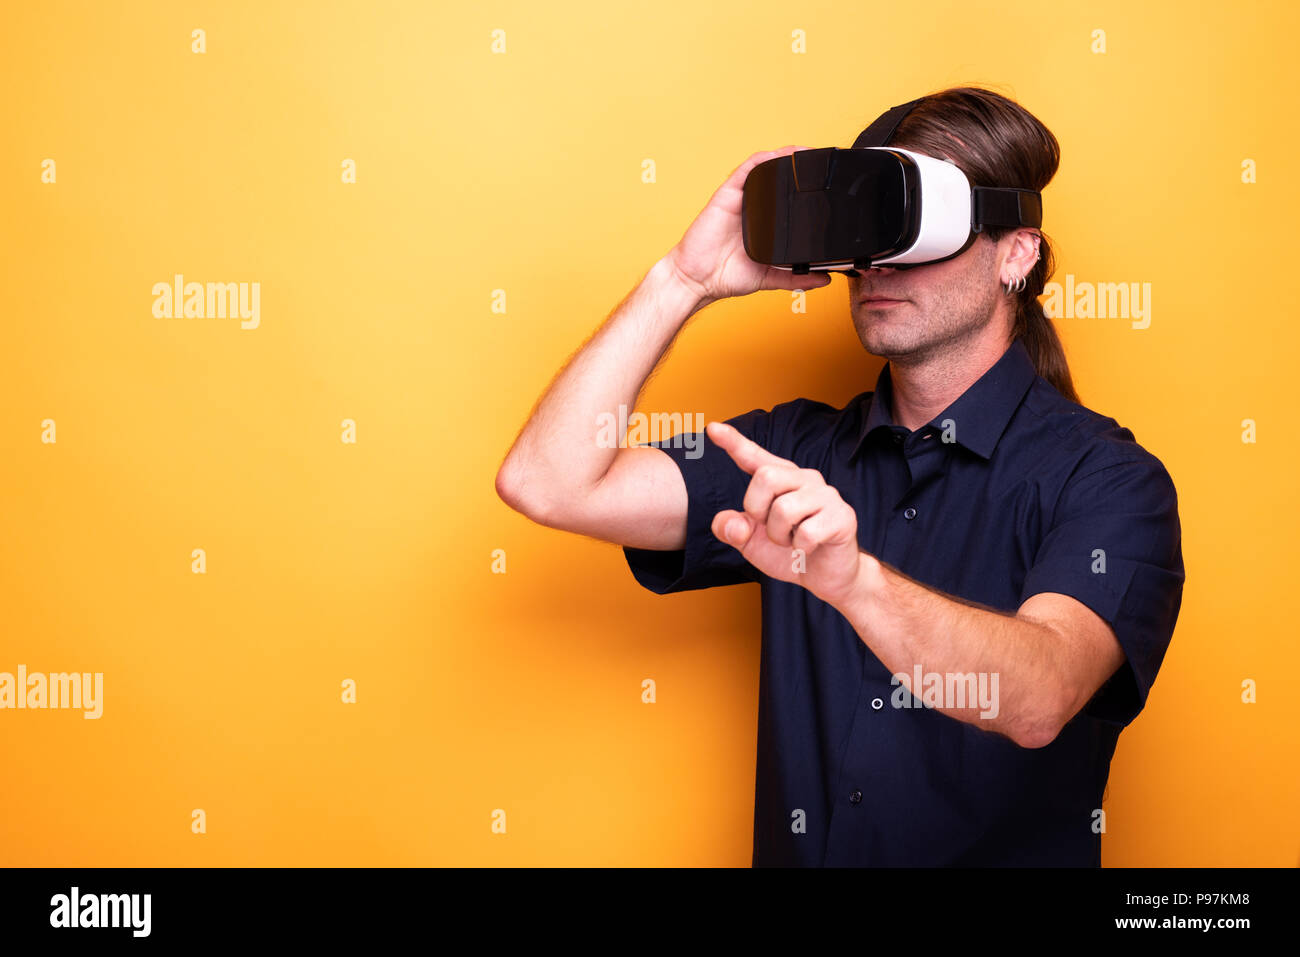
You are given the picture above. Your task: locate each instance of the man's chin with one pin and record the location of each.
(888, 343)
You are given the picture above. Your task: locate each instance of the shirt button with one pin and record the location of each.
(898, 439)
(855, 797)
(876, 704)
(910, 513)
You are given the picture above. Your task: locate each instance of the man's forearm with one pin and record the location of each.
(556, 455)
(910, 627)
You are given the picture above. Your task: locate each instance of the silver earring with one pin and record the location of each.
(1024, 281)
(1010, 284)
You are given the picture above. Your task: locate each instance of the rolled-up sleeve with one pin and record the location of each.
(713, 483)
(1116, 546)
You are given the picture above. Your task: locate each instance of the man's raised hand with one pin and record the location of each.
(711, 259)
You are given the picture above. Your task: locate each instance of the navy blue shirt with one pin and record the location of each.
(1010, 491)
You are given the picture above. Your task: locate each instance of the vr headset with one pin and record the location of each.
(870, 205)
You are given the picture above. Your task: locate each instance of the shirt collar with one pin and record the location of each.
(979, 415)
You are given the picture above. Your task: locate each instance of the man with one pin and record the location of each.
(968, 579)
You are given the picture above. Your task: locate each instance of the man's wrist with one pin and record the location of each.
(865, 590)
(687, 290)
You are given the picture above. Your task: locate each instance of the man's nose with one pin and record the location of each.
(874, 271)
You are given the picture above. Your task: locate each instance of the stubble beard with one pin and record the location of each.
(938, 323)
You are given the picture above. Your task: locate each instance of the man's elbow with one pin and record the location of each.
(1036, 736)
(514, 488)
(1041, 724)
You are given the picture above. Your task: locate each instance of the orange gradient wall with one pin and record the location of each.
(372, 560)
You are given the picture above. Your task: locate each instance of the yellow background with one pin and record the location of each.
(521, 171)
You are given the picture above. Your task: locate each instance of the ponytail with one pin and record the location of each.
(1036, 330)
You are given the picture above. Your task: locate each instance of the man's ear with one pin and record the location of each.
(1021, 253)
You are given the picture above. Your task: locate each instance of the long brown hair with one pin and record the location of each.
(997, 142)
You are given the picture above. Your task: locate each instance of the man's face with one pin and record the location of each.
(942, 305)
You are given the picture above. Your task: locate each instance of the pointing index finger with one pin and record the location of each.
(746, 453)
